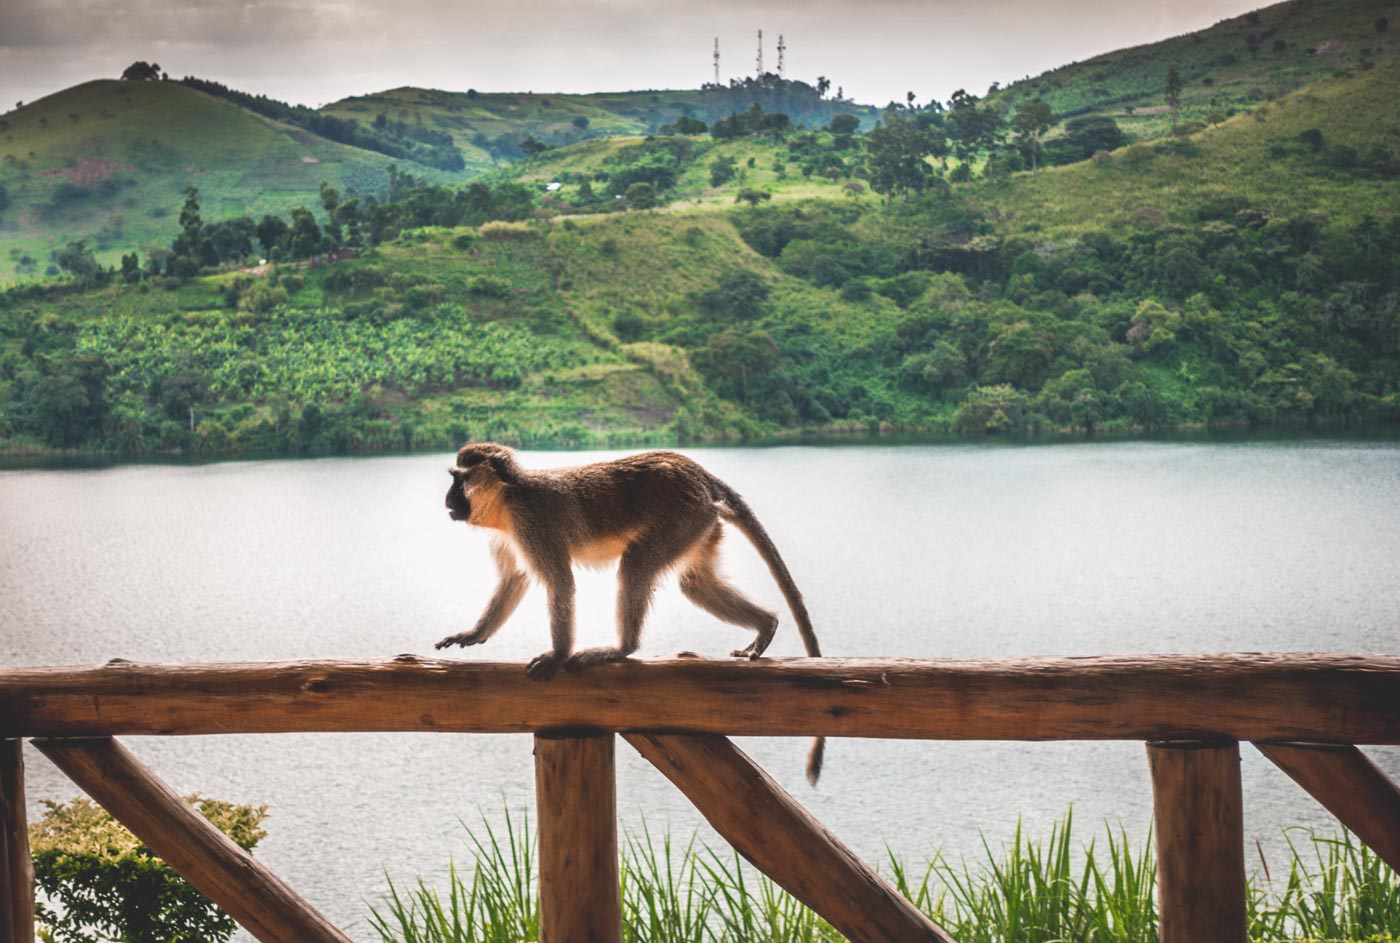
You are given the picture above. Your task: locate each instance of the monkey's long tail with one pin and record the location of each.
(734, 509)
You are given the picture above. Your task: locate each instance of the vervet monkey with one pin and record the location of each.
(653, 512)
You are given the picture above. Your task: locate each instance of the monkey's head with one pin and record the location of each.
(482, 468)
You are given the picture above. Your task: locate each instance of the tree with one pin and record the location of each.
(741, 295)
(1031, 120)
(844, 123)
(641, 196)
(823, 86)
(189, 244)
(974, 127)
(77, 260)
(895, 157)
(751, 196)
(685, 124)
(141, 72)
(272, 232)
(305, 239)
(1173, 94)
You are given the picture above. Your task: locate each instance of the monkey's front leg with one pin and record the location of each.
(509, 591)
(558, 578)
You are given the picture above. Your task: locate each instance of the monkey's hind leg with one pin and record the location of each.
(641, 566)
(703, 586)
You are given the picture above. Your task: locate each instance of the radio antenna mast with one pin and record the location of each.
(782, 50)
(716, 60)
(758, 64)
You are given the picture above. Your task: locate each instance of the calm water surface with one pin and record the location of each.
(917, 551)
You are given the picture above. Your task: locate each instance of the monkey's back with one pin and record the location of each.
(609, 497)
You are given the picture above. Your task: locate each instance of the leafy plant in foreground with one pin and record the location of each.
(108, 885)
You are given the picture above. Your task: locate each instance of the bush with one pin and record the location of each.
(109, 886)
(500, 231)
(484, 286)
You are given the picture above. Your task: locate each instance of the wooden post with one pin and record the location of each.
(576, 798)
(184, 839)
(768, 827)
(1200, 841)
(1350, 786)
(16, 867)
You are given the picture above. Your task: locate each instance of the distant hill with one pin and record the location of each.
(1233, 66)
(109, 160)
(489, 127)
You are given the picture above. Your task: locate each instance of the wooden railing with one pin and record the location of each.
(1306, 713)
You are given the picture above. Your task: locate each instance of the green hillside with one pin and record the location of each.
(1232, 66)
(687, 288)
(108, 161)
(1331, 150)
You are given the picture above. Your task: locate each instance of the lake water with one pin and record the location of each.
(915, 551)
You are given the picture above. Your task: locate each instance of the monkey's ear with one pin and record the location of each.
(501, 465)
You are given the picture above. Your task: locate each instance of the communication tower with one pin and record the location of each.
(758, 64)
(716, 60)
(782, 50)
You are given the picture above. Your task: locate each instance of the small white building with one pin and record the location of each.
(551, 187)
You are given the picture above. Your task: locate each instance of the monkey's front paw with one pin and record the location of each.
(463, 639)
(543, 666)
(750, 652)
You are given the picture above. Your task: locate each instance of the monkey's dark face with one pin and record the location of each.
(459, 508)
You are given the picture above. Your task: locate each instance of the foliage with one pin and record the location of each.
(107, 885)
(896, 153)
(1026, 891)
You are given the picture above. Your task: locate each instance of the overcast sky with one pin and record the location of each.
(317, 51)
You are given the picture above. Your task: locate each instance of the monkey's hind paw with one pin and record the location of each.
(593, 656)
(751, 652)
(543, 666)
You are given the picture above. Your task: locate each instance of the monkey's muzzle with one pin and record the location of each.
(458, 507)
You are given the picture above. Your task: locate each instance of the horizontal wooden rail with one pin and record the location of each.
(1296, 697)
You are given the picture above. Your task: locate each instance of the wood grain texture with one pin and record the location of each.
(16, 866)
(1199, 833)
(1323, 698)
(576, 802)
(195, 849)
(779, 837)
(1350, 786)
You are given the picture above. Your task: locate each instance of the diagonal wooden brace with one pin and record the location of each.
(767, 826)
(1350, 786)
(195, 849)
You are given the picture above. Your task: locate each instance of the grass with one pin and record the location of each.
(1333, 889)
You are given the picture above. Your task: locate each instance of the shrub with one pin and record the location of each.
(992, 410)
(109, 886)
(484, 286)
(501, 231)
